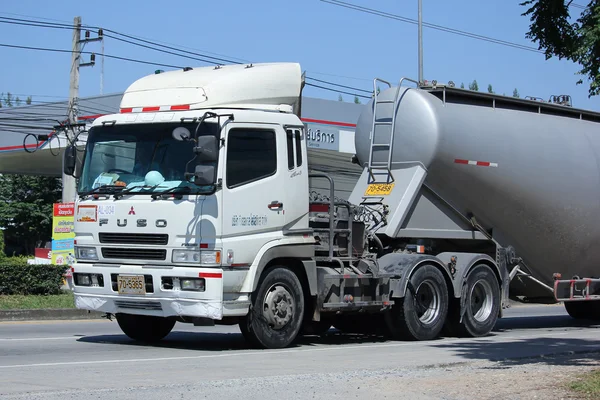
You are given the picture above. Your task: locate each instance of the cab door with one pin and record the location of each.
(254, 188)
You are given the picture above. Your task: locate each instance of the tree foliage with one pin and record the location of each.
(26, 208)
(474, 86)
(490, 89)
(559, 35)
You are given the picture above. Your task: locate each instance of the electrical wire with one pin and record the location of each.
(337, 91)
(87, 52)
(41, 24)
(152, 45)
(432, 26)
(335, 84)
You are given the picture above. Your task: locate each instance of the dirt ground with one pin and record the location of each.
(526, 379)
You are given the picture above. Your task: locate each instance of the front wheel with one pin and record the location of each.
(421, 314)
(277, 311)
(145, 328)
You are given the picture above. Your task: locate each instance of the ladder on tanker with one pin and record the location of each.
(382, 135)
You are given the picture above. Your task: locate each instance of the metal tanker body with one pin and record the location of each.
(524, 174)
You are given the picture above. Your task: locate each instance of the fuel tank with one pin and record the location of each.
(528, 171)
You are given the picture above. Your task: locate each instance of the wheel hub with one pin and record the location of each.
(278, 306)
(481, 300)
(428, 302)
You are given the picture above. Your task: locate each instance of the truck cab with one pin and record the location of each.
(185, 196)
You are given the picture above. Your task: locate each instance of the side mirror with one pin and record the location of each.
(206, 149)
(204, 175)
(70, 160)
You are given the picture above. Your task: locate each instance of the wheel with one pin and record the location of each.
(277, 311)
(421, 314)
(482, 304)
(145, 328)
(582, 309)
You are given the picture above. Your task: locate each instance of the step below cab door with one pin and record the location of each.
(254, 188)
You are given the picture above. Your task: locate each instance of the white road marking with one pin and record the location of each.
(38, 338)
(285, 351)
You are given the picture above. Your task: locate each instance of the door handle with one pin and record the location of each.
(275, 205)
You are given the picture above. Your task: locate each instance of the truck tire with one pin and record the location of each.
(421, 314)
(482, 305)
(145, 328)
(579, 309)
(277, 311)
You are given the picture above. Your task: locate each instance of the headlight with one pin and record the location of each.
(201, 257)
(86, 253)
(195, 284)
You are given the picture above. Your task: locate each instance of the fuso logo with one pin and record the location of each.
(132, 211)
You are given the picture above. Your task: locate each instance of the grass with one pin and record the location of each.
(588, 385)
(28, 302)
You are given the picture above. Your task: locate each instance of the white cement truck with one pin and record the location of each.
(196, 204)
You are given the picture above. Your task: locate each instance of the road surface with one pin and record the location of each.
(93, 359)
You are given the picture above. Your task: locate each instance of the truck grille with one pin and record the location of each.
(134, 238)
(134, 253)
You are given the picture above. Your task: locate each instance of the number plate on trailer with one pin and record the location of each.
(379, 189)
(131, 284)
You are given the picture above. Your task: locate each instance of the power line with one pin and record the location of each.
(338, 91)
(432, 26)
(161, 50)
(88, 52)
(41, 24)
(152, 45)
(344, 86)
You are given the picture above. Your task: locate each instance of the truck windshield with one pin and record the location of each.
(140, 158)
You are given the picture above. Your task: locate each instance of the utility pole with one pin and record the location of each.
(420, 43)
(69, 189)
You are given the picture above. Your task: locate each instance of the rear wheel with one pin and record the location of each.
(482, 304)
(277, 311)
(145, 328)
(421, 314)
(583, 309)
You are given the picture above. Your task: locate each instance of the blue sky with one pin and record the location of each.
(330, 42)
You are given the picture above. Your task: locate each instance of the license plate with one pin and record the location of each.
(379, 189)
(131, 284)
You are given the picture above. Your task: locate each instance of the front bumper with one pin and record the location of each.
(159, 299)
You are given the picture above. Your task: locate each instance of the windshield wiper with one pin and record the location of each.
(180, 190)
(110, 189)
(128, 190)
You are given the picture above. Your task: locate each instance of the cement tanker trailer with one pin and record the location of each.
(516, 179)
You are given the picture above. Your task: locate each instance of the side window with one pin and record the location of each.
(290, 149)
(294, 146)
(251, 155)
(298, 148)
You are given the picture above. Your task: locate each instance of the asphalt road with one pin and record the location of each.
(93, 359)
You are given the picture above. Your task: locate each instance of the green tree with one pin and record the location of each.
(28, 100)
(26, 208)
(17, 101)
(340, 98)
(356, 100)
(516, 93)
(490, 89)
(560, 35)
(474, 86)
(462, 85)
(8, 100)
